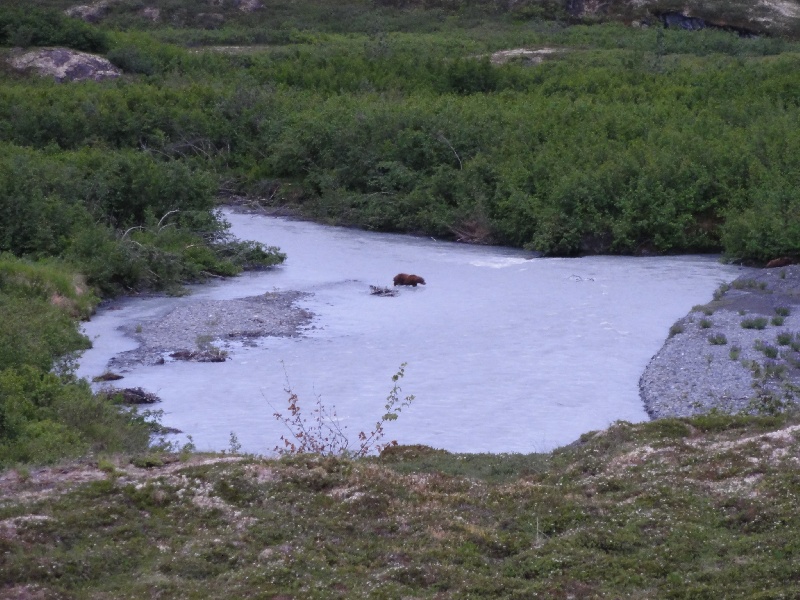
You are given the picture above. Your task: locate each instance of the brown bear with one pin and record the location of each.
(783, 261)
(404, 279)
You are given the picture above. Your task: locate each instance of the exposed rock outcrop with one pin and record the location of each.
(91, 13)
(64, 64)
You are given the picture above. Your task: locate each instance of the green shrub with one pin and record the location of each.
(44, 418)
(718, 339)
(770, 351)
(754, 323)
(35, 332)
(31, 26)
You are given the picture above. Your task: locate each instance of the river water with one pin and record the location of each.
(504, 353)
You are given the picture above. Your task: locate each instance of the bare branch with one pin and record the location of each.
(440, 136)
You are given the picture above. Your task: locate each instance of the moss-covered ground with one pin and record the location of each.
(700, 508)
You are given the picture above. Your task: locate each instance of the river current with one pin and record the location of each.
(504, 352)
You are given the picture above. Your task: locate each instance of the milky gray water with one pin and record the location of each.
(504, 353)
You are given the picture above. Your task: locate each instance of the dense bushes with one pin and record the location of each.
(592, 151)
(44, 419)
(125, 219)
(44, 414)
(35, 27)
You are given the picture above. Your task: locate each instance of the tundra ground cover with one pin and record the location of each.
(672, 508)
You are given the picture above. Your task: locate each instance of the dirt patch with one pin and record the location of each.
(527, 55)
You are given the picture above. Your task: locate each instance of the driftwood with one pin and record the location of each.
(200, 355)
(131, 395)
(382, 291)
(107, 376)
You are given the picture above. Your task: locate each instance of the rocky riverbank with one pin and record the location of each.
(739, 352)
(200, 330)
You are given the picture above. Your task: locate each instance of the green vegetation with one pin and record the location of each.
(45, 414)
(768, 350)
(391, 115)
(754, 323)
(676, 328)
(717, 339)
(669, 509)
(623, 140)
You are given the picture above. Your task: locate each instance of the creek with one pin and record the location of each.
(504, 352)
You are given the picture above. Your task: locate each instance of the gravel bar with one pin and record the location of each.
(195, 327)
(711, 361)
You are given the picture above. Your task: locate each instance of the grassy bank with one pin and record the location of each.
(700, 508)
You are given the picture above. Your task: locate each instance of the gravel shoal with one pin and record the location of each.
(746, 369)
(205, 325)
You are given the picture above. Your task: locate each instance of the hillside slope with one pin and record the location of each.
(701, 508)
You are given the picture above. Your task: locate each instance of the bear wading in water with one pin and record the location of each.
(404, 279)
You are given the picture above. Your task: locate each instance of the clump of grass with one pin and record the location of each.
(777, 321)
(721, 290)
(770, 351)
(754, 323)
(754, 366)
(718, 339)
(705, 323)
(735, 352)
(782, 311)
(676, 329)
(774, 370)
(749, 284)
(706, 310)
(784, 339)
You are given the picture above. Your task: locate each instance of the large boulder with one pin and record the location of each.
(64, 64)
(91, 13)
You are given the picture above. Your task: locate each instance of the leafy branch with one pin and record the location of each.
(320, 432)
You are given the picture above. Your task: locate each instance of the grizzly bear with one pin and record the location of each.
(783, 261)
(404, 279)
